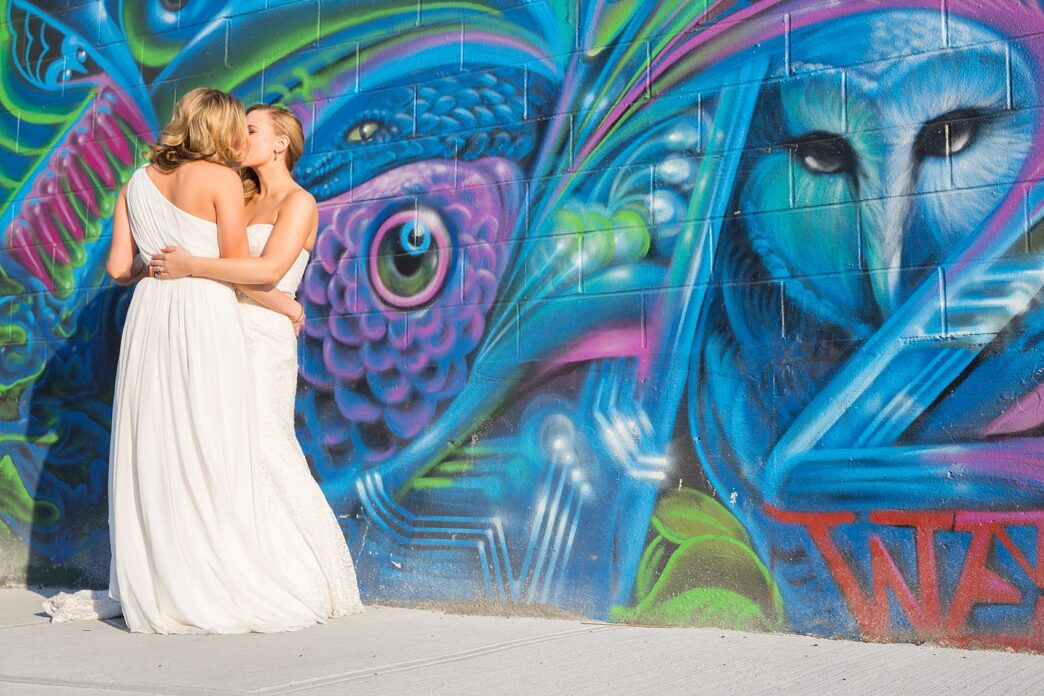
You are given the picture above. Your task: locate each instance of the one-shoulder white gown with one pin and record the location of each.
(199, 545)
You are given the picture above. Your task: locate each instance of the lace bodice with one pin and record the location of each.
(257, 236)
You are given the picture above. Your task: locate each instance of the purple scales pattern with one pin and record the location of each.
(388, 369)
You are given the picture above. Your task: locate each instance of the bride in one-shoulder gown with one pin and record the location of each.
(196, 548)
(216, 523)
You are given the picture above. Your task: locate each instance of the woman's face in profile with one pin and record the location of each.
(262, 138)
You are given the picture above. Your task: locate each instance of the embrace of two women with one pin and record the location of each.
(215, 521)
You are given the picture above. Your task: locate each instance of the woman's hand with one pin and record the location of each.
(171, 263)
(139, 269)
(299, 319)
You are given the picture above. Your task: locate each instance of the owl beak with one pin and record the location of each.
(885, 283)
(884, 239)
(885, 227)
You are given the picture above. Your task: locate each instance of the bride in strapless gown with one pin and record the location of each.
(318, 555)
(314, 578)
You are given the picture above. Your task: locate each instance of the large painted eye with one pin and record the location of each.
(410, 258)
(949, 134)
(825, 153)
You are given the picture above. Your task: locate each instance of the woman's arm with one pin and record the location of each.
(278, 302)
(229, 215)
(123, 265)
(275, 300)
(298, 218)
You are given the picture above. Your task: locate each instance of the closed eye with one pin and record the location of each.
(949, 134)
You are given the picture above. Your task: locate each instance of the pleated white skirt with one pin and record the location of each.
(194, 550)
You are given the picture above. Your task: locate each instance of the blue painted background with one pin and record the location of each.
(671, 312)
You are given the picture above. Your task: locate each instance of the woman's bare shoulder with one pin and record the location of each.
(300, 198)
(296, 210)
(296, 204)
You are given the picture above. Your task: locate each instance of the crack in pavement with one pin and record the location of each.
(393, 667)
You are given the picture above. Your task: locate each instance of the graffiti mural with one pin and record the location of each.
(698, 313)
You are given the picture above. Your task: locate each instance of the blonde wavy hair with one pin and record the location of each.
(284, 122)
(207, 125)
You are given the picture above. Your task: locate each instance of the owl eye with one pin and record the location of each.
(410, 258)
(825, 153)
(362, 132)
(949, 134)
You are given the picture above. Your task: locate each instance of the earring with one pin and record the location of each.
(275, 155)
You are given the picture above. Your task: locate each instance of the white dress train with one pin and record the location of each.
(202, 540)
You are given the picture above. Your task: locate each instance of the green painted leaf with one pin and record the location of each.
(18, 502)
(700, 607)
(684, 514)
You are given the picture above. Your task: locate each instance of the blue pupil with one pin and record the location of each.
(414, 238)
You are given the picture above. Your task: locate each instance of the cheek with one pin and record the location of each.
(768, 187)
(943, 219)
(812, 190)
(815, 244)
(810, 242)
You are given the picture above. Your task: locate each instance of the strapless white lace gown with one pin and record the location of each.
(207, 520)
(318, 556)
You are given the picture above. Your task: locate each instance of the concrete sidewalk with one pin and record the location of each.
(409, 651)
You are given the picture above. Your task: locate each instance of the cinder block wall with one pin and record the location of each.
(692, 312)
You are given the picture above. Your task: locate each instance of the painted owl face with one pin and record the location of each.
(877, 167)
